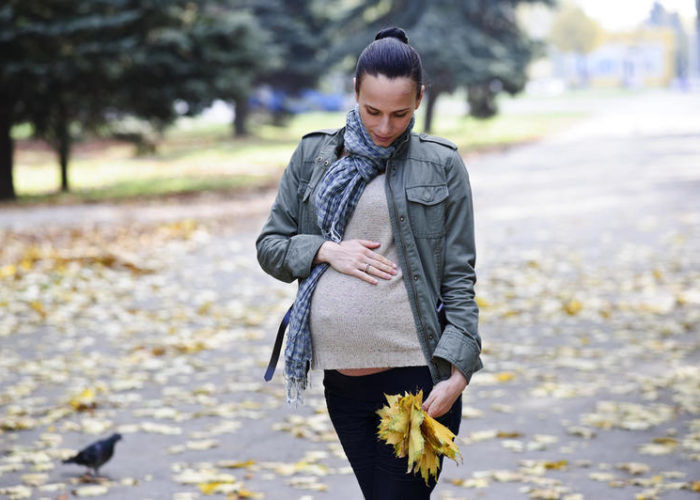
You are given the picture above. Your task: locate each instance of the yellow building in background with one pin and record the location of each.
(644, 57)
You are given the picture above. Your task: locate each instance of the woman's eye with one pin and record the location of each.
(401, 115)
(373, 113)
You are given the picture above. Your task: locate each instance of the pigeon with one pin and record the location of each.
(95, 455)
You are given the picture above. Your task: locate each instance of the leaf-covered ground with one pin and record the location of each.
(160, 329)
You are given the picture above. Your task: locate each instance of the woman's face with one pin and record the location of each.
(386, 106)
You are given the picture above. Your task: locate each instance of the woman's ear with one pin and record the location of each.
(420, 96)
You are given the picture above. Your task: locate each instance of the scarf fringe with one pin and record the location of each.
(295, 387)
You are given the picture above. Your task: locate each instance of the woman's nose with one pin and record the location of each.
(384, 127)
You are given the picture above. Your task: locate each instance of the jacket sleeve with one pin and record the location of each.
(283, 252)
(460, 343)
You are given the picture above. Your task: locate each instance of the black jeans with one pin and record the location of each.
(352, 405)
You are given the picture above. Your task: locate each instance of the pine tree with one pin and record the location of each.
(475, 44)
(72, 67)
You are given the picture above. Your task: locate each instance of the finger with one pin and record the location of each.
(374, 270)
(436, 411)
(369, 243)
(429, 401)
(363, 276)
(434, 407)
(384, 268)
(381, 259)
(379, 262)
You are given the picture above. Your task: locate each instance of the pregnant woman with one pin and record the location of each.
(376, 223)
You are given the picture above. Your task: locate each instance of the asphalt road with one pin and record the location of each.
(588, 268)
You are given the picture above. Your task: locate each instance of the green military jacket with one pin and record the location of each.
(430, 207)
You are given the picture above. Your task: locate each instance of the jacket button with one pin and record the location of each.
(430, 337)
(401, 218)
(319, 159)
(325, 163)
(415, 277)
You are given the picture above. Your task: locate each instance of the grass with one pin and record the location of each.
(199, 156)
(501, 131)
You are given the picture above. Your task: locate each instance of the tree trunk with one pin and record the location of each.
(482, 100)
(63, 145)
(432, 98)
(240, 119)
(63, 153)
(7, 188)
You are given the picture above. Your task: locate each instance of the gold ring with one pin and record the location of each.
(367, 268)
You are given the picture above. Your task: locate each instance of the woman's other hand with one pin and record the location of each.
(444, 394)
(352, 256)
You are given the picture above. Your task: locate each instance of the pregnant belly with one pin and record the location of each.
(356, 318)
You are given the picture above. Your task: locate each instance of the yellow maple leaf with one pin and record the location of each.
(482, 302)
(440, 437)
(237, 464)
(573, 307)
(83, 401)
(415, 441)
(248, 494)
(415, 435)
(559, 464)
(209, 488)
(505, 376)
(38, 307)
(428, 465)
(508, 435)
(8, 271)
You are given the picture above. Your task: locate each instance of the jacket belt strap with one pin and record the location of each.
(278, 345)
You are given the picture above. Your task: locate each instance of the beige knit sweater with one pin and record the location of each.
(355, 324)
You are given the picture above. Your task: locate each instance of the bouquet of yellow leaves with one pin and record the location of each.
(413, 432)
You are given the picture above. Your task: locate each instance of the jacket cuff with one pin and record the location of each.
(460, 350)
(301, 252)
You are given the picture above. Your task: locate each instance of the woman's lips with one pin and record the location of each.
(382, 139)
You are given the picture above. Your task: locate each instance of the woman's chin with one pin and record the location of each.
(382, 142)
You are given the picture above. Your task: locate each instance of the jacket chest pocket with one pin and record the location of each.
(426, 210)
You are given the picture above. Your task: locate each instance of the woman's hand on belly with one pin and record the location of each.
(352, 256)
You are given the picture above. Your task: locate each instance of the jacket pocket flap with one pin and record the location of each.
(427, 195)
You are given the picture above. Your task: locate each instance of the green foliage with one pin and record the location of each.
(73, 66)
(355, 24)
(76, 67)
(573, 31)
(300, 32)
(475, 44)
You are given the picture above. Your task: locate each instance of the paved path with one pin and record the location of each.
(588, 273)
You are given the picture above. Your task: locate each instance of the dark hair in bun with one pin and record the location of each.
(390, 55)
(392, 32)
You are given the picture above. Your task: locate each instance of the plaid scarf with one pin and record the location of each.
(336, 199)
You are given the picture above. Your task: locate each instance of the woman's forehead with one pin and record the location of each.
(385, 93)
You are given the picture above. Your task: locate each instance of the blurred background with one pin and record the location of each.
(116, 99)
